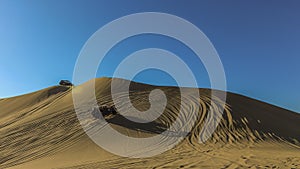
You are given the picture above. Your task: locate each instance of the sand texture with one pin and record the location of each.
(41, 130)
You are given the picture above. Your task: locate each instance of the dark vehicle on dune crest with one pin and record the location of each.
(65, 83)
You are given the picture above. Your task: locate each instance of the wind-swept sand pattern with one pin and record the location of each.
(41, 130)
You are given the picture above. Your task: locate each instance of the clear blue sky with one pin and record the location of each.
(258, 43)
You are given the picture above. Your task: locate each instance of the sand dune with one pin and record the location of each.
(41, 130)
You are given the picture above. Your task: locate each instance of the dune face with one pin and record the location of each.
(41, 130)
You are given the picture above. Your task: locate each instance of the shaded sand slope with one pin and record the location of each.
(265, 118)
(41, 130)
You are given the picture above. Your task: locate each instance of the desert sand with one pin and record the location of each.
(41, 130)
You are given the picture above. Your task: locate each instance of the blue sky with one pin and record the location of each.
(258, 43)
